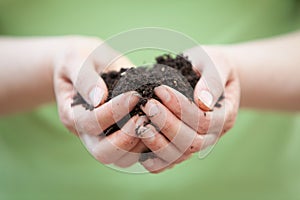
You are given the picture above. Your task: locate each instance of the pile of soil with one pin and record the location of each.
(175, 72)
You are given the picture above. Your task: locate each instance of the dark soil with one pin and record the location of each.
(175, 72)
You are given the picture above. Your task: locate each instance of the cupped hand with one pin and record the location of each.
(186, 127)
(76, 69)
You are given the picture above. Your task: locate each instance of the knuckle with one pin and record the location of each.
(128, 141)
(166, 126)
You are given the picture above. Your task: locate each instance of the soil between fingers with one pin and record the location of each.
(173, 71)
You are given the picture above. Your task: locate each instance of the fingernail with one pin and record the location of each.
(139, 125)
(141, 120)
(153, 110)
(96, 96)
(136, 94)
(164, 93)
(132, 98)
(206, 98)
(146, 133)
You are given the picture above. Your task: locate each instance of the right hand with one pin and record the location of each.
(187, 127)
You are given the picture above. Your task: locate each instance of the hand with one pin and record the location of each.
(77, 68)
(187, 127)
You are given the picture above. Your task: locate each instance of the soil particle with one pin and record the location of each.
(173, 71)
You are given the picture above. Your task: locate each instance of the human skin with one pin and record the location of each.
(265, 71)
(36, 71)
(192, 126)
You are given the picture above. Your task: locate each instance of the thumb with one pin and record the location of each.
(211, 84)
(91, 86)
(208, 91)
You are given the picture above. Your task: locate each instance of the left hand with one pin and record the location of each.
(187, 127)
(76, 69)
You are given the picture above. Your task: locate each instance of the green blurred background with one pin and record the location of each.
(257, 159)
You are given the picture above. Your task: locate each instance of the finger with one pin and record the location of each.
(198, 57)
(79, 68)
(182, 136)
(183, 158)
(90, 85)
(87, 80)
(131, 157)
(231, 103)
(184, 109)
(64, 92)
(113, 147)
(156, 165)
(96, 121)
(158, 144)
(213, 79)
(225, 115)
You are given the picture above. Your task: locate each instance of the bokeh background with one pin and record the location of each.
(257, 159)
